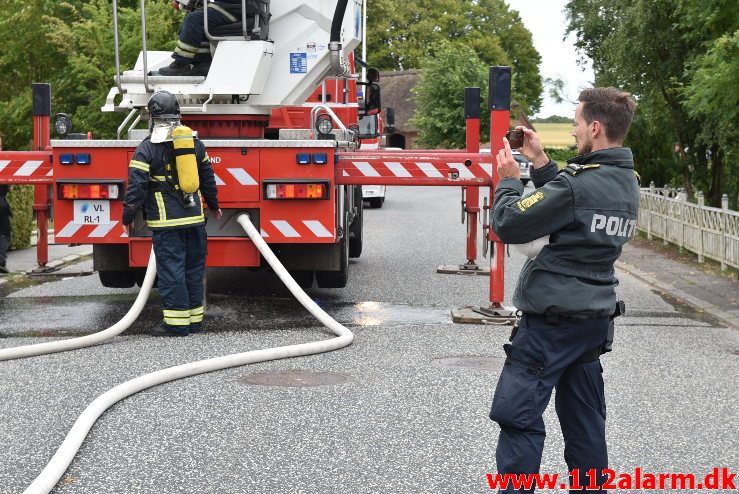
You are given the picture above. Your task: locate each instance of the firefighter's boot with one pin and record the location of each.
(176, 68)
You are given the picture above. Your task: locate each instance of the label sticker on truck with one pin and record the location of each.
(298, 63)
(91, 212)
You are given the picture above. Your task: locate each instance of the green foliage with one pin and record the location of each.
(554, 119)
(70, 45)
(679, 59)
(402, 34)
(440, 95)
(561, 155)
(20, 199)
(709, 97)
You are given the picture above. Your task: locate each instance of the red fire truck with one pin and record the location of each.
(279, 114)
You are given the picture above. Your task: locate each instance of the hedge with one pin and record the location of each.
(561, 155)
(22, 225)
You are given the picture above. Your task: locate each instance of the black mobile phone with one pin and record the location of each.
(515, 138)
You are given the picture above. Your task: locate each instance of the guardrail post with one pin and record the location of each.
(682, 196)
(649, 201)
(724, 219)
(666, 194)
(701, 204)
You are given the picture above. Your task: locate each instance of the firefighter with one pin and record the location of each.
(169, 176)
(192, 54)
(5, 215)
(372, 99)
(566, 291)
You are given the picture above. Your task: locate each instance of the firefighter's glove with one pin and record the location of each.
(129, 214)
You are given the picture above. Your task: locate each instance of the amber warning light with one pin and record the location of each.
(296, 191)
(89, 191)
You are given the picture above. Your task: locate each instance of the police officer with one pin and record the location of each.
(176, 219)
(5, 215)
(566, 291)
(192, 54)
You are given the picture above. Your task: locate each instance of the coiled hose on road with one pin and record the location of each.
(54, 470)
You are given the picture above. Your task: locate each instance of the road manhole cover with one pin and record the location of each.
(472, 363)
(295, 379)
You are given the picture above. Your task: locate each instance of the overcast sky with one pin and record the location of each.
(546, 21)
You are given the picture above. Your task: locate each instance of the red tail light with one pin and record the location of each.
(296, 191)
(89, 191)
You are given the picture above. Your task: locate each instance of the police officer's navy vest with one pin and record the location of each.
(573, 275)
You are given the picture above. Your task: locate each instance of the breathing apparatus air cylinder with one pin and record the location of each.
(185, 160)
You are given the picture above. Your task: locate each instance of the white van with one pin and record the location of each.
(523, 163)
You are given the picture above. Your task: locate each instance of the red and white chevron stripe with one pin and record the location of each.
(240, 175)
(403, 171)
(25, 167)
(81, 230)
(294, 229)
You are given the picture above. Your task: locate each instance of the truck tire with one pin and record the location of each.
(376, 202)
(304, 278)
(117, 279)
(336, 279)
(357, 227)
(140, 274)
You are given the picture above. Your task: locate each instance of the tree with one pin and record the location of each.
(710, 95)
(402, 34)
(654, 48)
(83, 88)
(26, 57)
(440, 94)
(554, 119)
(70, 46)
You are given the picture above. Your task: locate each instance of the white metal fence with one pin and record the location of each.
(709, 232)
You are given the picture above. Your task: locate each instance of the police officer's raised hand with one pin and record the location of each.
(532, 148)
(507, 165)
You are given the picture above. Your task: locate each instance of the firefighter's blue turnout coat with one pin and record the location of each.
(178, 227)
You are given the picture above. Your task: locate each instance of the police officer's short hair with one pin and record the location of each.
(611, 107)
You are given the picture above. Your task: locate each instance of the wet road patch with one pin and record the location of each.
(295, 379)
(482, 363)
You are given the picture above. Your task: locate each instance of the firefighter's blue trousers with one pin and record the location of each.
(180, 258)
(192, 45)
(540, 357)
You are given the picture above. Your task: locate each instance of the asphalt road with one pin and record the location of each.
(397, 422)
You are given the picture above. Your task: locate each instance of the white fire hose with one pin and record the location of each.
(92, 339)
(55, 469)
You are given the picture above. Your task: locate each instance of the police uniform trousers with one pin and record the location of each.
(180, 255)
(4, 229)
(193, 46)
(540, 357)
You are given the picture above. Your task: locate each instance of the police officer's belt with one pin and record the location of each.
(557, 318)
